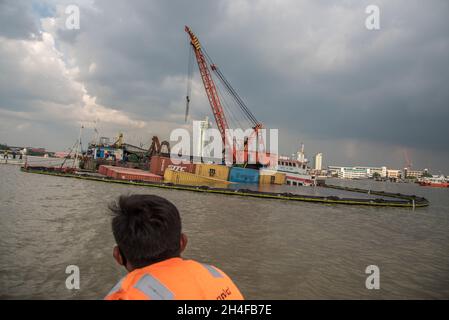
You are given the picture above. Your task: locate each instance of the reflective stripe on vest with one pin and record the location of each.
(152, 288)
(214, 272)
(116, 287)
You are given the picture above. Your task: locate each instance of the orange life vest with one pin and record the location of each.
(178, 279)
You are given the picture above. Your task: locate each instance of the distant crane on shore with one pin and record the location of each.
(408, 162)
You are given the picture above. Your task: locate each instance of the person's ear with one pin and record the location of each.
(117, 256)
(183, 243)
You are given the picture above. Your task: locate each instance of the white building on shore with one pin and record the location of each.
(200, 127)
(319, 162)
(357, 172)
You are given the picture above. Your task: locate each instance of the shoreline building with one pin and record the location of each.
(357, 172)
(201, 147)
(394, 174)
(318, 162)
(409, 173)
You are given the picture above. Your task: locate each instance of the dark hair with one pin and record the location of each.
(147, 229)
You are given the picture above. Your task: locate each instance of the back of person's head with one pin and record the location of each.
(147, 229)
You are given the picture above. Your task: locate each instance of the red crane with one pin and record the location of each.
(204, 61)
(209, 85)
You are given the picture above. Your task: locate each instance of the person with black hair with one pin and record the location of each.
(148, 233)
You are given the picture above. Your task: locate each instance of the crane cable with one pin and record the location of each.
(232, 115)
(238, 99)
(189, 80)
(225, 103)
(236, 113)
(231, 90)
(226, 86)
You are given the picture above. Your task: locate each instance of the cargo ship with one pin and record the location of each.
(436, 182)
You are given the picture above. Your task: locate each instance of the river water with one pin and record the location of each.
(271, 249)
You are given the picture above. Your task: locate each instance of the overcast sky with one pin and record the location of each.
(307, 67)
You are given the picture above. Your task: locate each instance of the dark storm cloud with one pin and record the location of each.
(135, 47)
(17, 20)
(392, 83)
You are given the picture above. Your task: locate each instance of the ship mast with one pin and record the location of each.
(78, 149)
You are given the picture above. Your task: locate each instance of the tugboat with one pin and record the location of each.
(436, 182)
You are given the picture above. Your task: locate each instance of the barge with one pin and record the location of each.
(397, 200)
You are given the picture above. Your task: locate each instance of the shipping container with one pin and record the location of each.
(145, 176)
(187, 178)
(103, 169)
(159, 164)
(243, 175)
(267, 179)
(280, 178)
(271, 177)
(215, 171)
(122, 173)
